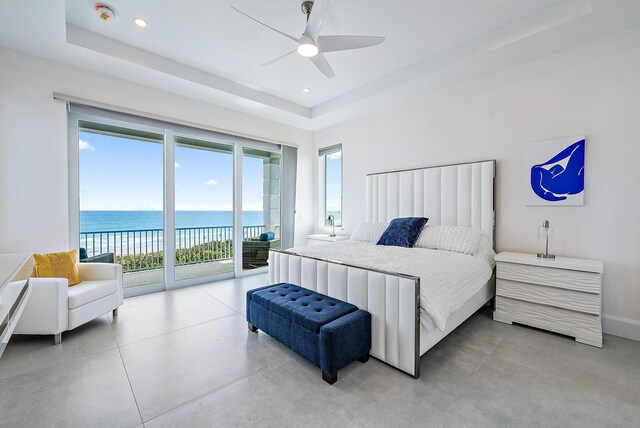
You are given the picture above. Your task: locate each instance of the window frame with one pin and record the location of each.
(109, 121)
(323, 154)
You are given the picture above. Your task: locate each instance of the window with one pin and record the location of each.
(174, 204)
(331, 185)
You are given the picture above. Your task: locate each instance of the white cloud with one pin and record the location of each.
(176, 165)
(87, 146)
(335, 155)
(210, 182)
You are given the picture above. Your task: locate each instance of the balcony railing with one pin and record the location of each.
(143, 249)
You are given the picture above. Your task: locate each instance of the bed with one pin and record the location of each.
(402, 328)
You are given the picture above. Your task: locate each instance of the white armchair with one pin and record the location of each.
(54, 307)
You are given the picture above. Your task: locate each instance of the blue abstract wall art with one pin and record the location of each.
(555, 170)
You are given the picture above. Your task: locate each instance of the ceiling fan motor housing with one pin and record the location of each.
(306, 7)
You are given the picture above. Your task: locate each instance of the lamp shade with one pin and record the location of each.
(545, 232)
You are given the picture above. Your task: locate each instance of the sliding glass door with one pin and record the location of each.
(121, 199)
(203, 208)
(174, 205)
(260, 206)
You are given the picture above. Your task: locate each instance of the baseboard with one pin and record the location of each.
(623, 327)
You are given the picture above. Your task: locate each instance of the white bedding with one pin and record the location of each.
(447, 279)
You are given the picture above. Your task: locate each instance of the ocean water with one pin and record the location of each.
(99, 229)
(107, 221)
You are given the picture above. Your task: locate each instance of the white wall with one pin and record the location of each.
(592, 90)
(33, 144)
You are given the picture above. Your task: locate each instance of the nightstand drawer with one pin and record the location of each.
(587, 282)
(567, 299)
(585, 328)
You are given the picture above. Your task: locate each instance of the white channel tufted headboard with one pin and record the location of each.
(457, 195)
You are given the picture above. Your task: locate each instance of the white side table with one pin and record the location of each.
(562, 295)
(324, 239)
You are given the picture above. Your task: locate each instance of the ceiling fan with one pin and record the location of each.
(312, 45)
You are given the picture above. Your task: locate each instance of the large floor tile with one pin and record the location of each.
(288, 394)
(416, 399)
(172, 369)
(151, 297)
(613, 370)
(448, 366)
(31, 352)
(166, 313)
(233, 293)
(480, 331)
(190, 361)
(505, 394)
(92, 391)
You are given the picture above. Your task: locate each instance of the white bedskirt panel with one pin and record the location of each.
(478, 300)
(391, 299)
(456, 195)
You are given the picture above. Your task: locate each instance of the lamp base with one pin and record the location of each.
(546, 256)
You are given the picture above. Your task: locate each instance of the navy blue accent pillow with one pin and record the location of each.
(403, 231)
(83, 253)
(267, 236)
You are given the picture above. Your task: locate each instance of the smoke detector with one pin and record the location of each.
(105, 12)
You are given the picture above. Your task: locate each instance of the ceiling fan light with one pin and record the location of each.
(308, 50)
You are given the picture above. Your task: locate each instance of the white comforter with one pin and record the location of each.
(447, 279)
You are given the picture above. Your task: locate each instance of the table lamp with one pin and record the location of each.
(545, 231)
(332, 221)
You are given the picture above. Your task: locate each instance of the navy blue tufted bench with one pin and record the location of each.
(328, 332)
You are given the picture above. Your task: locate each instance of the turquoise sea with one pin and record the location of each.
(108, 221)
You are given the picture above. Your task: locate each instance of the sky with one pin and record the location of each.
(334, 181)
(124, 174)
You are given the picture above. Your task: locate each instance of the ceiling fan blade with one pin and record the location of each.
(295, 39)
(278, 59)
(323, 65)
(343, 43)
(316, 18)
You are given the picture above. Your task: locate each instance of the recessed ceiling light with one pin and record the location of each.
(140, 22)
(306, 90)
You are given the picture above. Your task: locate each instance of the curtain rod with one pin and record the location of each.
(119, 109)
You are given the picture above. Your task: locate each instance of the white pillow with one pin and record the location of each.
(369, 232)
(460, 239)
(485, 250)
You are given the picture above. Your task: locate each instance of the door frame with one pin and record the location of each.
(169, 281)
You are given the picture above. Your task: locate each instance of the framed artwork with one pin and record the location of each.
(555, 171)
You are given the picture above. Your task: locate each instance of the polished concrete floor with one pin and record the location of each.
(185, 358)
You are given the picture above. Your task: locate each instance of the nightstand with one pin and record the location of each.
(324, 239)
(561, 295)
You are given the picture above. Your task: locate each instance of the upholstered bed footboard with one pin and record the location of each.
(391, 298)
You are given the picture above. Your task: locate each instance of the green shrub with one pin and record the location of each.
(209, 251)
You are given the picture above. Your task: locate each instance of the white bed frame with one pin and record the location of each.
(460, 194)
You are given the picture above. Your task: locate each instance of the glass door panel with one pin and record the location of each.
(121, 200)
(260, 206)
(203, 208)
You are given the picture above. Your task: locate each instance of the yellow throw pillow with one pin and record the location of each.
(57, 265)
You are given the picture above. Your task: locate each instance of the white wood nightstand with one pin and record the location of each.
(324, 239)
(561, 295)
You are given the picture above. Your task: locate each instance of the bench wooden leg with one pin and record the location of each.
(364, 358)
(330, 378)
(252, 328)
